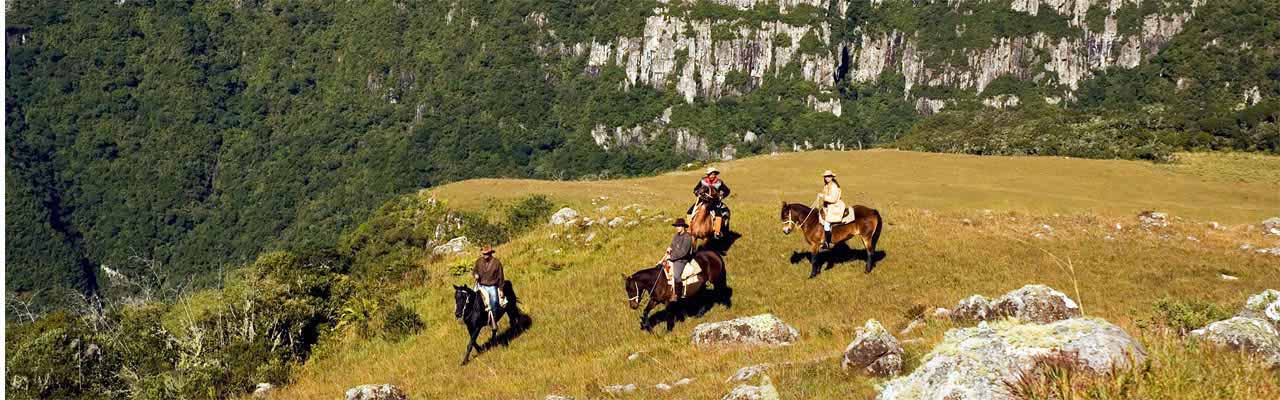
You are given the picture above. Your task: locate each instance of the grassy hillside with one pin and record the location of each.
(956, 225)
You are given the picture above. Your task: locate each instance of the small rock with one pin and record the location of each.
(263, 390)
(557, 397)
(765, 391)
(911, 327)
(590, 237)
(376, 392)
(615, 222)
(634, 356)
(746, 373)
(603, 209)
(967, 221)
(453, 246)
(941, 313)
(758, 330)
(1271, 226)
(1275, 251)
(1119, 227)
(564, 216)
(662, 386)
(1246, 247)
(632, 223)
(682, 382)
(1152, 219)
(1215, 226)
(1193, 239)
(1109, 238)
(1226, 277)
(619, 389)
(874, 351)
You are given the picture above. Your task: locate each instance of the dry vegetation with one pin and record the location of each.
(956, 225)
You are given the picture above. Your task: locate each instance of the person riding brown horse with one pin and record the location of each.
(710, 192)
(866, 225)
(653, 282)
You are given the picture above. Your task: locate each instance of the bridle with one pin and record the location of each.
(465, 303)
(793, 223)
(639, 293)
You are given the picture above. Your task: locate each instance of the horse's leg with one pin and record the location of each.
(866, 243)
(644, 316)
(473, 332)
(814, 260)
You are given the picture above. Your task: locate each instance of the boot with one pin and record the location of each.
(826, 240)
(679, 289)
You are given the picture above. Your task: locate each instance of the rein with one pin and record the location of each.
(800, 224)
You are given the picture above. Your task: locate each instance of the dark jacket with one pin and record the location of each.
(720, 185)
(681, 247)
(489, 273)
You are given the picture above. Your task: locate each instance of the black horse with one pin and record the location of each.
(469, 308)
(653, 282)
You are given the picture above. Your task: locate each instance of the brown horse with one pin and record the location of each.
(702, 225)
(866, 226)
(653, 282)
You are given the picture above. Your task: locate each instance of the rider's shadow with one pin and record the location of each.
(693, 307)
(724, 243)
(839, 254)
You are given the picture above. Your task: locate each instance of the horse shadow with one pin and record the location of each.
(693, 307)
(841, 253)
(723, 244)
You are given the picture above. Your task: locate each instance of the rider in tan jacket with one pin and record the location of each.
(832, 206)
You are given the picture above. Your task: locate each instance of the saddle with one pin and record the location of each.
(690, 273)
(484, 298)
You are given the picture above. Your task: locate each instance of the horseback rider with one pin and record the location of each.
(678, 254)
(832, 207)
(489, 280)
(711, 182)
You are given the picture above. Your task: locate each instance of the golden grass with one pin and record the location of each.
(942, 244)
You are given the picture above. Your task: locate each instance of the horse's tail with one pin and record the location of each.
(875, 234)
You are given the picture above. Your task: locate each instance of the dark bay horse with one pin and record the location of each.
(469, 308)
(653, 282)
(866, 226)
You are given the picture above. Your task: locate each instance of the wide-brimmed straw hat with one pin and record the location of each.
(487, 249)
(712, 170)
(828, 173)
(680, 222)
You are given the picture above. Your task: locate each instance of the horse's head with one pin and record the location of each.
(461, 297)
(789, 218)
(633, 291)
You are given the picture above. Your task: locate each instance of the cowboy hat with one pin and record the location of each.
(828, 173)
(680, 222)
(487, 249)
(712, 170)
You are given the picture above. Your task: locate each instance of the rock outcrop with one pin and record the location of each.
(453, 246)
(1035, 303)
(975, 363)
(376, 392)
(758, 330)
(873, 351)
(1254, 330)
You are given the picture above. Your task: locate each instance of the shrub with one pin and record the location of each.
(1186, 315)
(401, 322)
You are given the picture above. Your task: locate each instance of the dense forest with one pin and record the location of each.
(173, 141)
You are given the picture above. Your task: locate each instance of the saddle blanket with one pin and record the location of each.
(690, 273)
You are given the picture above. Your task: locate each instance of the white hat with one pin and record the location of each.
(712, 170)
(828, 173)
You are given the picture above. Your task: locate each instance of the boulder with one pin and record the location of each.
(976, 363)
(1271, 226)
(1250, 335)
(873, 351)
(972, 308)
(1265, 306)
(453, 246)
(1035, 303)
(384, 391)
(757, 330)
(765, 391)
(564, 216)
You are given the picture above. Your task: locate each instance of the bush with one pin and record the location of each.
(1186, 315)
(528, 212)
(401, 322)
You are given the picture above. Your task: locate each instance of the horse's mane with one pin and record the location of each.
(797, 206)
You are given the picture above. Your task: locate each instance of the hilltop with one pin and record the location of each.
(956, 226)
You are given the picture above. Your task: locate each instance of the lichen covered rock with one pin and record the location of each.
(384, 391)
(1034, 303)
(975, 363)
(874, 351)
(765, 391)
(758, 330)
(1250, 335)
